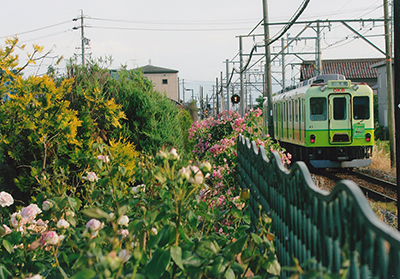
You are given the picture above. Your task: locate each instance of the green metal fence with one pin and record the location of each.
(337, 228)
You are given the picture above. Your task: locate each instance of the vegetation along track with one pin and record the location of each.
(374, 188)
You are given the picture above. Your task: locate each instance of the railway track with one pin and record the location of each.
(374, 188)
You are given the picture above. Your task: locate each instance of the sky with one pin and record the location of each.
(194, 37)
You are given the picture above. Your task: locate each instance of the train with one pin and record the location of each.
(326, 121)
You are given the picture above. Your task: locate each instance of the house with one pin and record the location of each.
(164, 80)
(380, 67)
(356, 70)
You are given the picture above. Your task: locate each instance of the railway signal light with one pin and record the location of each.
(235, 98)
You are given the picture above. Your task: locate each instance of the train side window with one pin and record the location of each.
(361, 107)
(296, 110)
(339, 108)
(318, 109)
(290, 111)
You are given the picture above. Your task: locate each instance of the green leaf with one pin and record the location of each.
(84, 274)
(273, 266)
(191, 260)
(176, 255)
(185, 237)
(8, 246)
(4, 272)
(207, 249)
(166, 235)
(229, 274)
(218, 267)
(237, 268)
(258, 240)
(158, 263)
(95, 212)
(238, 245)
(75, 203)
(193, 219)
(64, 275)
(2, 231)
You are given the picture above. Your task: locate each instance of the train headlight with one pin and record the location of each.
(322, 88)
(355, 87)
(368, 137)
(312, 138)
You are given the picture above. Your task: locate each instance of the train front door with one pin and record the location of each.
(340, 119)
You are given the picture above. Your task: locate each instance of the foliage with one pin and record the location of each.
(153, 121)
(160, 229)
(186, 122)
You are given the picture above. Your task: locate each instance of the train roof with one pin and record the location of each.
(315, 80)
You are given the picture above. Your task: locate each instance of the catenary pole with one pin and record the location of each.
(389, 82)
(397, 95)
(268, 74)
(227, 85)
(241, 77)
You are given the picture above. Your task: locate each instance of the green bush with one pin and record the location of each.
(152, 120)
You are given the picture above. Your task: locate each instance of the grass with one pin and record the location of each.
(381, 158)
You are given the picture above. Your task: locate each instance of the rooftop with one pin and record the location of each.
(355, 69)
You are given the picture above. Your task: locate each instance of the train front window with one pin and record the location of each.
(361, 107)
(339, 108)
(318, 109)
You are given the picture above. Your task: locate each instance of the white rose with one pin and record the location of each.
(91, 176)
(6, 199)
(62, 224)
(123, 220)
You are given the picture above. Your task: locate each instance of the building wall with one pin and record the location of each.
(165, 83)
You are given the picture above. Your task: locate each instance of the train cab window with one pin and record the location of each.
(361, 107)
(339, 108)
(318, 109)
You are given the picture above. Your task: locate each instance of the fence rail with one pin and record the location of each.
(335, 228)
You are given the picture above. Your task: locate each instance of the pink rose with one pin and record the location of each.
(91, 176)
(103, 158)
(7, 229)
(6, 199)
(30, 211)
(49, 238)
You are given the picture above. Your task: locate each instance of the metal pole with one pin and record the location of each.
(389, 79)
(222, 94)
(397, 96)
(318, 69)
(227, 85)
(216, 94)
(268, 74)
(82, 40)
(183, 90)
(283, 65)
(241, 77)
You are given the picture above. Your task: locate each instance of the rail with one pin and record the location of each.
(338, 228)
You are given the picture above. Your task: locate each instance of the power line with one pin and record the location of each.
(166, 29)
(35, 30)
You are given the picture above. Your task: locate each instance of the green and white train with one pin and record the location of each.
(326, 121)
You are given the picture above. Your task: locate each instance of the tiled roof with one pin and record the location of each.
(351, 68)
(150, 69)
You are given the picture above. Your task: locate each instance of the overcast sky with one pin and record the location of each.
(193, 37)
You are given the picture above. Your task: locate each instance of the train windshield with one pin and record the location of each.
(339, 108)
(361, 107)
(318, 109)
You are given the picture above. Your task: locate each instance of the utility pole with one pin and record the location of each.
(268, 74)
(222, 94)
(83, 39)
(227, 85)
(283, 65)
(216, 94)
(241, 77)
(183, 90)
(397, 95)
(389, 79)
(318, 60)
